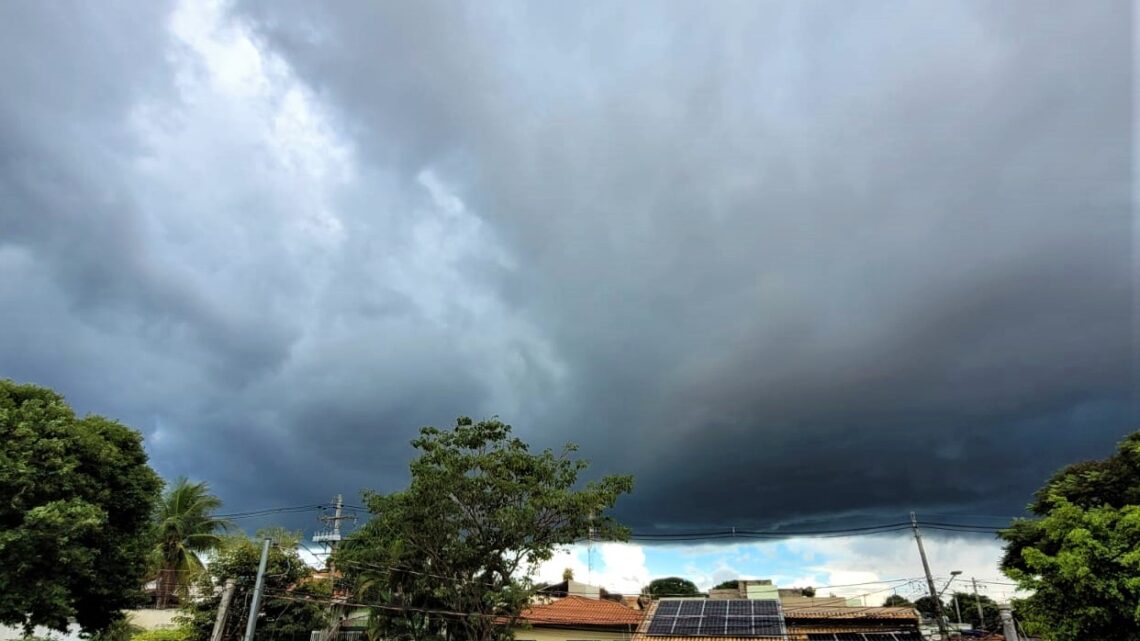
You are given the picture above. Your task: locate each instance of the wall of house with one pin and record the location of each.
(562, 634)
(154, 619)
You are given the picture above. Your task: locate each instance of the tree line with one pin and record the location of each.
(85, 523)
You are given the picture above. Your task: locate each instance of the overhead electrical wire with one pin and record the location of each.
(453, 615)
(705, 535)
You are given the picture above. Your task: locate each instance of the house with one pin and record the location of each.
(577, 618)
(837, 623)
(566, 588)
(763, 589)
(756, 619)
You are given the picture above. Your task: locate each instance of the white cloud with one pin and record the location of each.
(617, 567)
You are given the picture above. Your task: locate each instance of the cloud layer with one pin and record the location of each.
(787, 263)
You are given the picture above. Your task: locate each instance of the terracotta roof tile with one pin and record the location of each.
(850, 613)
(577, 610)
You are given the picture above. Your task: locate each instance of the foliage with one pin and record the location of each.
(968, 606)
(481, 512)
(293, 605)
(164, 634)
(186, 528)
(926, 605)
(118, 630)
(730, 584)
(897, 601)
(568, 574)
(1080, 560)
(77, 496)
(672, 586)
(808, 591)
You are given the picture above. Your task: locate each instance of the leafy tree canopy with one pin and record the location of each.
(897, 601)
(672, 586)
(481, 512)
(731, 584)
(968, 606)
(293, 604)
(1081, 558)
(76, 497)
(926, 606)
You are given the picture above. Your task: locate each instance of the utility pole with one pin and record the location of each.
(1009, 630)
(590, 550)
(958, 610)
(978, 602)
(330, 537)
(929, 581)
(255, 603)
(223, 610)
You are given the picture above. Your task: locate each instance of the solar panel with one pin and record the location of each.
(661, 625)
(739, 608)
(702, 617)
(738, 626)
(767, 627)
(769, 608)
(716, 608)
(668, 608)
(692, 608)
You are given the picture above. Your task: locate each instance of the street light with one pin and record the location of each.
(953, 575)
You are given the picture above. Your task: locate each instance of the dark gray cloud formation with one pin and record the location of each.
(784, 262)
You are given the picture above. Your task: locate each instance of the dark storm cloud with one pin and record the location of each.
(786, 263)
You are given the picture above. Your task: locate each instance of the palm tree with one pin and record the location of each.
(186, 527)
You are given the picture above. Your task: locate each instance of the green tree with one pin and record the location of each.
(672, 586)
(968, 606)
(293, 605)
(186, 527)
(76, 495)
(897, 601)
(927, 608)
(481, 512)
(730, 584)
(1080, 559)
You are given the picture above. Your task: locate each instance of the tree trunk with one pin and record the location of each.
(164, 587)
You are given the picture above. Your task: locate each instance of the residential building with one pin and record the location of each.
(578, 618)
(568, 588)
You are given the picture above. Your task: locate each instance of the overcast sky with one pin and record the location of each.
(788, 263)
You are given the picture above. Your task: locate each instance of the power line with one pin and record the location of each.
(457, 615)
(705, 535)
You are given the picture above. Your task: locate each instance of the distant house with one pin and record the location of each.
(568, 588)
(765, 619)
(578, 618)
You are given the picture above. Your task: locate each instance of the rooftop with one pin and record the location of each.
(577, 610)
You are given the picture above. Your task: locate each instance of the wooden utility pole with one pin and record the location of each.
(930, 580)
(223, 610)
(978, 602)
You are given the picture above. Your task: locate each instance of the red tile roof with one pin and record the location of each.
(850, 613)
(577, 610)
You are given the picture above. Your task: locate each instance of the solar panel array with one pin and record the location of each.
(865, 636)
(718, 618)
